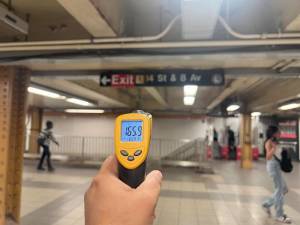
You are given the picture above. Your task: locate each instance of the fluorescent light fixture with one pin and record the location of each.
(13, 21)
(190, 90)
(232, 107)
(62, 97)
(92, 111)
(256, 114)
(45, 93)
(79, 102)
(189, 100)
(289, 106)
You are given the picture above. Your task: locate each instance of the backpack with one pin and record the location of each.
(285, 162)
(41, 139)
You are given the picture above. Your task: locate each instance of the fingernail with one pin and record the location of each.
(157, 175)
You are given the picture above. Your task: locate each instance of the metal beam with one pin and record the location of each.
(112, 93)
(275, 94)
(239, 64)
(235, 86)
(89, 17)
(156, 95)
(231, 73)
(289, 16)
(293, 25)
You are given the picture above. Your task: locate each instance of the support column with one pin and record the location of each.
(13, 94)
(245, 141)
(36, 126)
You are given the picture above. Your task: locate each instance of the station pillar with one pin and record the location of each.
(245, 141)
(13, 94)
(36, 127)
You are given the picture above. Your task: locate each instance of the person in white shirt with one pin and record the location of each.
(46, 136)
(273, 155)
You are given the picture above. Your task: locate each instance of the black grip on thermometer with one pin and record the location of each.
(132, 177)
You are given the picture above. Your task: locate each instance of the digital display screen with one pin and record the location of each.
(132, 131)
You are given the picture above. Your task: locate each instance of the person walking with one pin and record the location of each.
(215, 145)
(273, 155)
(46, 136)
(231, 144)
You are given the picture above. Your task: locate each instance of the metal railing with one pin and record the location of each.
(170, 152)
(98, 148)
(191, 154)
(187, 152)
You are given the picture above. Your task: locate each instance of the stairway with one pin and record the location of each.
(187, 152)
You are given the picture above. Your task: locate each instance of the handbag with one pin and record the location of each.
(285, 162)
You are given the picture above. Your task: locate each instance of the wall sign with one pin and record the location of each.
(162, 78)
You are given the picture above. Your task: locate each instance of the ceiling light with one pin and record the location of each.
(232, 107)
(79, 102)
(92, 111)
(45, 93)
(190, 90)
(13, 20)
(289, 106)
(189, 100)
(256, 114)
(62, 97)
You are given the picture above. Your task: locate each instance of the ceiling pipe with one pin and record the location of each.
(155, 45)
(96, 40)
(256, 36)
(148, 42)
(141, 39)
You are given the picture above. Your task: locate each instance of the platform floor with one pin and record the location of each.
(230, 197)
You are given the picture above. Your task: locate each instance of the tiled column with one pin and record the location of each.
(13, 93)
(245, 140)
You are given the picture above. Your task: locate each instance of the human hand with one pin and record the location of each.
(109, 201)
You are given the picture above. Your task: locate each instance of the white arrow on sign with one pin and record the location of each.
(105, 80)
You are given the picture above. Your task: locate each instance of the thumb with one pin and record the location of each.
(152, 184)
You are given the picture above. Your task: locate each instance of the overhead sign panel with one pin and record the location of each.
(152, 78)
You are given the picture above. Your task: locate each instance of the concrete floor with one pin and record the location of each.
(229, 197)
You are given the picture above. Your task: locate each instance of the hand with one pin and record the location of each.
(109, 201)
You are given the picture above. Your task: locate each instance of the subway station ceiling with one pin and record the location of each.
(256, 42)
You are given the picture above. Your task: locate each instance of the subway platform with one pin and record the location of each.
(231, 196)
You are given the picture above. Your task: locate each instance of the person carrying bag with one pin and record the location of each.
(275, 163)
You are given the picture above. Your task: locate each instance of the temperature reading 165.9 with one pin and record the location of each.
(132, 131)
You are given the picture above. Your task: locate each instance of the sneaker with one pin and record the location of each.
(267, 210)
(284, 219)
(40, 168)
(51, 169)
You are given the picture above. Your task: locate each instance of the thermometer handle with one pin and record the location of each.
(132, 178)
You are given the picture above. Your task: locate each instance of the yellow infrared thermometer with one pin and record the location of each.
(132, 143)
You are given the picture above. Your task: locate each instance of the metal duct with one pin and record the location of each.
(199, 18)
